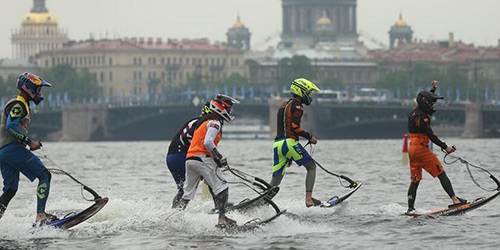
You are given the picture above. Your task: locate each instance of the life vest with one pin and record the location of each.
(5, 137)
(198, 142)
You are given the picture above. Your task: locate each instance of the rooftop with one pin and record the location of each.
(442, 52)
(202, 44)
(11, 63)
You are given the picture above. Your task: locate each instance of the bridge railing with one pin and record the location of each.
(250, 94)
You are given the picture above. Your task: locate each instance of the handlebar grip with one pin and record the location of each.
(496, 181)
(263, 182)
(353, 183)
(96, 196)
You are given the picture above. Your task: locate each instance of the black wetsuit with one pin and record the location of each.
(289, 118)
(420, 123)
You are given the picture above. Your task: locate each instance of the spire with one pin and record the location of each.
(39, 6)
(401, 21)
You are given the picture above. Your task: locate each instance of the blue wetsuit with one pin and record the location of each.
(15, 158)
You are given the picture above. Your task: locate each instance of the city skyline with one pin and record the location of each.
(154, 18)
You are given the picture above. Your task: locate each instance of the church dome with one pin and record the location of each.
(39, 18)
(324, 20)
(238, 24)
(400, 21)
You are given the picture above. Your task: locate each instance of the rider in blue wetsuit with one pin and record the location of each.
(176, 156)
(14, 156)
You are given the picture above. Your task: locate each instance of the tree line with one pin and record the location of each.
(76, 85)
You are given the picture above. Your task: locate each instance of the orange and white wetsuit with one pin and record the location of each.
(200, 162)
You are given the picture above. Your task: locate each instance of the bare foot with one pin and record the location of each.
(312, 202)
(41, 216)
(457, 200)
(226, 221)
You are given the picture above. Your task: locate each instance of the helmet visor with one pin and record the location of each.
(228, 107)
(38, 90)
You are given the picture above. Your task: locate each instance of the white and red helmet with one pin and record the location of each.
(222, 105)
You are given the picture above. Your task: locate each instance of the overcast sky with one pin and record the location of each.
(471, 21)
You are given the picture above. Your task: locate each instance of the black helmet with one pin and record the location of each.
(427, 100)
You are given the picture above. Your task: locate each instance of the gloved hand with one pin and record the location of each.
(220, 160)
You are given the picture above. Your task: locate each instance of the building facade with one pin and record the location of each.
(350, 66)
(478, 63)
(39, 32)
(325, 32)
(300, 18)
(139, 66)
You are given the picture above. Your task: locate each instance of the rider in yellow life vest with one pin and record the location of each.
(286, 144)
(14, 157)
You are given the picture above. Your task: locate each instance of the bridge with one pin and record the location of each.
(88, 122)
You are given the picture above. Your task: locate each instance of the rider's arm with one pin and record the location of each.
(426, 127)
(297, 113)
(14, 119)
(213, 129)
(434, 86)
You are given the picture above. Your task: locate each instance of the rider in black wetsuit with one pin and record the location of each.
(421, 157)
(176, 156)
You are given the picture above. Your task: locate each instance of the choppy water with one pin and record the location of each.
(138, 216)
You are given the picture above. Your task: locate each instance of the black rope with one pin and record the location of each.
(237, 175)
(468, 165)
(250, 184)
(57, 171)
(83, 186)
(239, 182)
(352, 184)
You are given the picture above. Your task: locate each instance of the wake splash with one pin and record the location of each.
(151, 217)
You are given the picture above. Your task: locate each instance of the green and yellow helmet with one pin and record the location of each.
(302, 88)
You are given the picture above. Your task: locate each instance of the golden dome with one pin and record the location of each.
(39, 18)
(400, 21)
(324, 20)
(238, 23)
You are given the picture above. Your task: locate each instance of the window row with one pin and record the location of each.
(186, 61)
(102, 77)
(346, 75)
(81, 61)
(174, 76)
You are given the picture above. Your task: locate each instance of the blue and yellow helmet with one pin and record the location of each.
(31, 85)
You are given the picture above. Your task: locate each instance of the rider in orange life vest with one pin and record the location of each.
(205, 160)
(14, 137)
(421, 157)
(286, 147)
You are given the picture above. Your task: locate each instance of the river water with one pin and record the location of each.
(135, 178)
